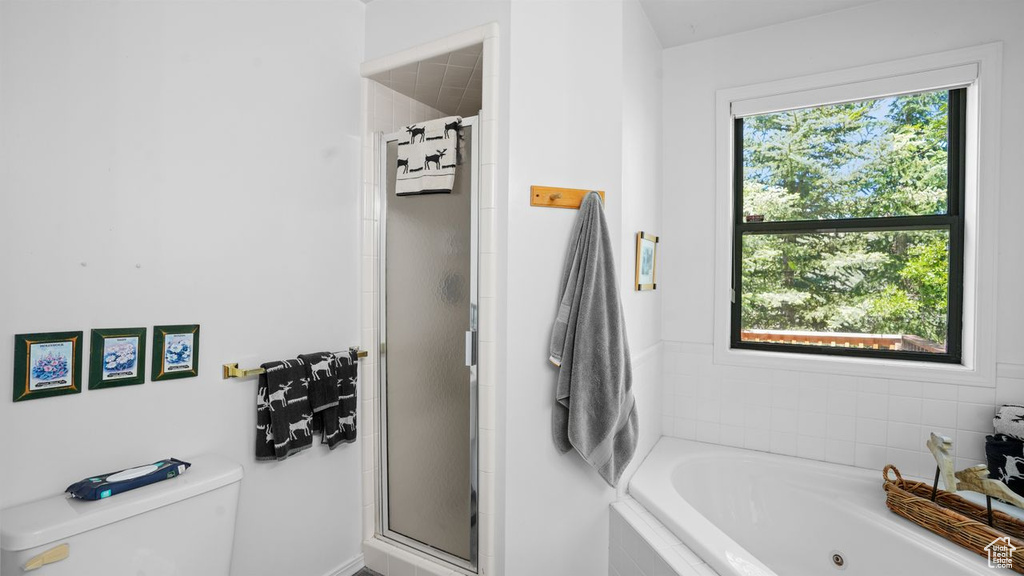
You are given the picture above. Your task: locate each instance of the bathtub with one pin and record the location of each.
(749, 513)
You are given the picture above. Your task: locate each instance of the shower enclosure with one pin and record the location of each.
(428, 349)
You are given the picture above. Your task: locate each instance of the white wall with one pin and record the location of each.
(579, 70)
(851, 420)
(202, 161)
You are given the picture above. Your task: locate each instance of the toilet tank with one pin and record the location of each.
(179, 527)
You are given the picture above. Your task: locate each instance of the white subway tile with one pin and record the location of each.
(904, 436)
(868, 456)
(631, 543)
(620, 562)
(911, 388)
(686, 407)
(842, 402)
(732, 414)
(685, 385)
(731, 435)
(810, 447)
(937, 391)
(757, 417)
(785, 396)
(905, 409)
(938, 413)
(977, 395)
(757, 439)
(757, 393)
(708, 388)
(685, 429)
(813, 398)
(842, 428)
(708, 432)
(970, 445)
(975, 417)
(709, 410)
(840, 452)
(870, 431)
(784, 420)
(872, 385)
(375, 556)
(843, 383)
(784, 443)
(872, 406)
(811, 424)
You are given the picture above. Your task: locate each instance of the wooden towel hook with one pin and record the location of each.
(553, 197)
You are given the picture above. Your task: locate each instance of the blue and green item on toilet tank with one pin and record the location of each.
(106, 485)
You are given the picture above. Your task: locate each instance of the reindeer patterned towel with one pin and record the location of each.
(323, 391)
(347, 369)
(426, 163)
(283, 413)
(1005, 456)
(1009, 420)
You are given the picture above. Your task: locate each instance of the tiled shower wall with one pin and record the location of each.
(392, 110)
(858, 421)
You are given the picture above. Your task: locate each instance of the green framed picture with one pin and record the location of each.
(175, 351)
(117, 357)
(47, 364)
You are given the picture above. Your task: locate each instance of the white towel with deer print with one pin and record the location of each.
(426, 163)
(283, 413)
(1009, 420)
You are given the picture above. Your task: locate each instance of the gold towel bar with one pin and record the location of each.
(233, 371)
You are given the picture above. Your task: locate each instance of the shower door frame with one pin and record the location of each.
(472, 359)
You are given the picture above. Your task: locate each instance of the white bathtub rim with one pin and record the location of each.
(652, 484)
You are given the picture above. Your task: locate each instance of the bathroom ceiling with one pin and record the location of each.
(684, 21)
(451, 83)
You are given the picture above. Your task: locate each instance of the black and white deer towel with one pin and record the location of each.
(1009, 420)
(323, 392)
(283, 414)
(426, 163)
(347, 369)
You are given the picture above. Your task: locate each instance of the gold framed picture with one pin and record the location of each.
(646, 261)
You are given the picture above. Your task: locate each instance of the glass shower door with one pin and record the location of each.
(428, 372)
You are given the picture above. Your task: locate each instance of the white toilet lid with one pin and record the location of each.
(58, 517)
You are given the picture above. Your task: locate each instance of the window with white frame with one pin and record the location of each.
(848, 227)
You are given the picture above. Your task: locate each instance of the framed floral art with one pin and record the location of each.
(117, 357)
(47, 364)
(175, 351)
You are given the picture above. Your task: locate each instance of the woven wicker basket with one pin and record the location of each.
(952, 517)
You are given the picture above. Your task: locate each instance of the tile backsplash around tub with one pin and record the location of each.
(639, 545)
(858, 421)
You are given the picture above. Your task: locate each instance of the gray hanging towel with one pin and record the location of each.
(594, 412)
(426, 163)
(283, 414)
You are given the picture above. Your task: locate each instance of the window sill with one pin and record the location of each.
(866, 367)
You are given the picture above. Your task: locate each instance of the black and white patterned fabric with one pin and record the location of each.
(1005, 456)
(1009, 420)
(283, 415)
(347, 369)
(426, 162)
(323, 391)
